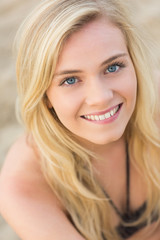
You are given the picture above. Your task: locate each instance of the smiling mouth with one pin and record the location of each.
(101, 117)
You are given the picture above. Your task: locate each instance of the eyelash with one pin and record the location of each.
(66, 79)
(120, 64)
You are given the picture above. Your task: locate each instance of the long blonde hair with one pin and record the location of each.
(65, 163)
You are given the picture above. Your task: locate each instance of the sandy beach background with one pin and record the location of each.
(12, 12)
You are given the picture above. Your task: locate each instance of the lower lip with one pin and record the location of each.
(108, 120)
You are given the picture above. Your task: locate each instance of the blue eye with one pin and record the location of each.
(70, 81)
(112, 68)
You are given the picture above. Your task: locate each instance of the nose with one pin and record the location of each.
(98, 93)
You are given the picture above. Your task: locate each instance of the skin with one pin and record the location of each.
(96, 89)
(39, 214)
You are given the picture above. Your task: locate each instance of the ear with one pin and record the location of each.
(48, 103)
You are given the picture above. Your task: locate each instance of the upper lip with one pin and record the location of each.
(102, 112)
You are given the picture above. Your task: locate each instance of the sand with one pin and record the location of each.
(12, 12)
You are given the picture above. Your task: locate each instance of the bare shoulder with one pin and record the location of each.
(27, 202)
(21, 164)
(20, 152)
(21, 173)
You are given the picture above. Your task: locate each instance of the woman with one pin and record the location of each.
(88, 165)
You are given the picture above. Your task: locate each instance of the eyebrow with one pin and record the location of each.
(109, 60)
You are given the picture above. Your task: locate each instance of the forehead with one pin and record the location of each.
(97, 38)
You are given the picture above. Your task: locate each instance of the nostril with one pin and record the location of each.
(98, 96)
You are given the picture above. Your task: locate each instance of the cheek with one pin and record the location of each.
(130, 82)
(127, 89)
(65, 105)
(131, 91)
(133, 86)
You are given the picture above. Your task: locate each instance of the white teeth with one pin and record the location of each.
(92, 117)
(96, 118)
(112, 112)
(102, 117)
(107, 115)
(116, 109)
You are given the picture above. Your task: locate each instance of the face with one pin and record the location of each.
(93, 91)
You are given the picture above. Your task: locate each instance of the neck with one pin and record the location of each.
(110, 167)
(111, 153)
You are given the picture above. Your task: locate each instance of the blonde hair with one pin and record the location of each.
(65, 163)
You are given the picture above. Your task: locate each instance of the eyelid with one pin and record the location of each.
(120, 63)
(65, 79)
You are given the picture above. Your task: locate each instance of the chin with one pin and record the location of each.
(108, 140)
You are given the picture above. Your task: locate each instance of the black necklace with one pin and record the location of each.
(127, 191)
(130, 216)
